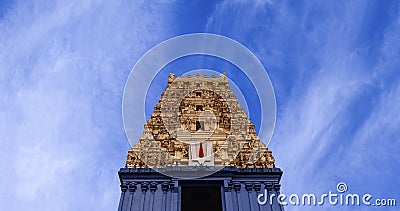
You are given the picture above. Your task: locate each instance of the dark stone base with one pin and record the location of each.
(229, 189)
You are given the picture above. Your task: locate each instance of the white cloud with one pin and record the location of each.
(321, 70)
(63, 69)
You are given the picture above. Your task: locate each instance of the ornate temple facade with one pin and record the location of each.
(198, 151)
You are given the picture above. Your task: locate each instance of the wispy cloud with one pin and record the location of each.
(335, 81)
(63, 69)
(63, 66)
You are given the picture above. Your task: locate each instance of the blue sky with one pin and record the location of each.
(334, 66)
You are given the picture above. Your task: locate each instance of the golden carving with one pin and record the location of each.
(209, 110)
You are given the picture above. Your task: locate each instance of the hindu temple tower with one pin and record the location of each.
(198, 151)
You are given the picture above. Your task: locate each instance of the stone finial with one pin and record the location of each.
(171, 78)
(223, 77)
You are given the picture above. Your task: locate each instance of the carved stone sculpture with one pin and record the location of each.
(198, 121)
